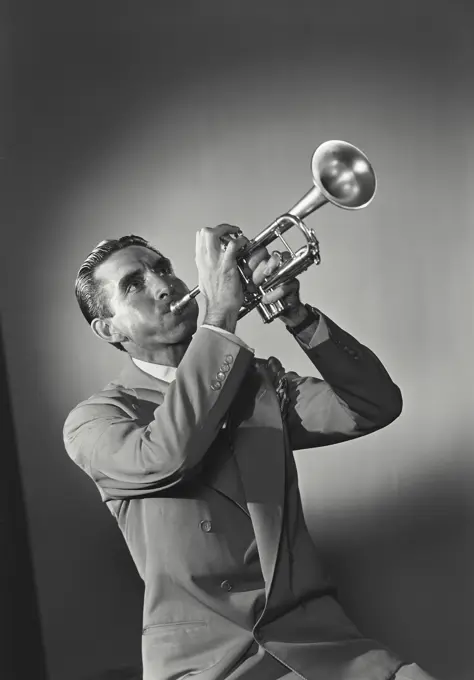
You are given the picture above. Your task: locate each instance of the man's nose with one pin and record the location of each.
(162, 289)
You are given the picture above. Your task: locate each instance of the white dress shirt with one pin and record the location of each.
(309, 337)
(168, 373)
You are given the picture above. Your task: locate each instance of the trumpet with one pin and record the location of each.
(343, 176)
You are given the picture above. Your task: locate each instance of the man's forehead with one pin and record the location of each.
(125, 260)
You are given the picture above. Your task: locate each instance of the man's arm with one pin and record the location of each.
(355, 397)
(126, 458)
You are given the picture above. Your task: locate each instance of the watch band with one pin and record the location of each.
(310, 319)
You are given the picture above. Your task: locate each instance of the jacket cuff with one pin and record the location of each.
(230, 335)
(314, 330)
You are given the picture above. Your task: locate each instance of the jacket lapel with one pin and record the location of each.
(251, 453)
(260, 456)
(223, 475)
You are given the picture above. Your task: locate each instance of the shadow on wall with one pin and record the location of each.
(19, 608)
(124, 673)
(402, 557)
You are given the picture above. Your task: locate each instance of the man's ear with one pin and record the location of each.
(104, 329)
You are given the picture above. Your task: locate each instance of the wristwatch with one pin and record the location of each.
(310, 319)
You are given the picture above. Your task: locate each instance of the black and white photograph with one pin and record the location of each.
(236, 342)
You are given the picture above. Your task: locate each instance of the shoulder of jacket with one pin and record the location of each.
(113, 394)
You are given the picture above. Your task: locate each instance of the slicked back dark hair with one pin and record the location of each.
(89, 291)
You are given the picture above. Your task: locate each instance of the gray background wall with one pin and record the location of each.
(161, 118)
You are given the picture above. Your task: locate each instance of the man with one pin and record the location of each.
(191, 449)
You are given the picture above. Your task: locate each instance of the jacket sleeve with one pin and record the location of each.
(355, 397)
(125, 458)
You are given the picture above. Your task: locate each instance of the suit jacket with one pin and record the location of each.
(201, 478)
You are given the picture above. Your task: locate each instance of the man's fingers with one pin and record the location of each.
(259, 274)
(215, 239)
(215, 233)
(266, 268)
(284, 290)
(276, 260)
(223, 228)
(257, 257)
(274, 294)
(232, 249)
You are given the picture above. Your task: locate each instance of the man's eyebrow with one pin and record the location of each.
(127, 278)
(130, 276)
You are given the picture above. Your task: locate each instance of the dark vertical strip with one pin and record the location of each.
(21, 647)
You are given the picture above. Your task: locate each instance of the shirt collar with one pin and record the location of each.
(160, 371)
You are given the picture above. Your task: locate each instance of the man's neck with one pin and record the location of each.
(168, 355)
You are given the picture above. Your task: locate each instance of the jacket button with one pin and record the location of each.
(225, 368)
(216, 385)
(205, 525)
(229, 358)
(220, 376)
(226, 585)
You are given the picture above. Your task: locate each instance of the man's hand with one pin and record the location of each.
(263, 265)
(219, 278)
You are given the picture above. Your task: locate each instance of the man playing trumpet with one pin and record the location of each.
(191, 450)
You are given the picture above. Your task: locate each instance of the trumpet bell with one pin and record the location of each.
(343, 174)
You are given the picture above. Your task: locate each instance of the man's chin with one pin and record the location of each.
(185, 327)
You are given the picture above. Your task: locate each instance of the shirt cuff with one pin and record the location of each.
(315, 334)
(230, 335)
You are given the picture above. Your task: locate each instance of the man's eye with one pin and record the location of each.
(133, 286)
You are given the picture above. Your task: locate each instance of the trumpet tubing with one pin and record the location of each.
(343, 176)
